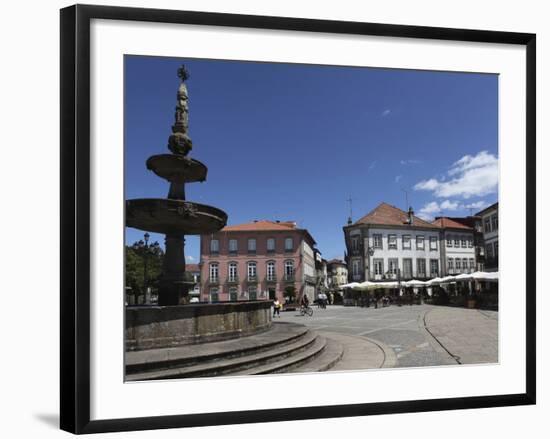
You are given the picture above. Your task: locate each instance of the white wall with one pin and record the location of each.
(30, 278)
(400, 253)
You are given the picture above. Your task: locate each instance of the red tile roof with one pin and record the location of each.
(192, 267)
(261, 225)
(448, 223)
(387, 215)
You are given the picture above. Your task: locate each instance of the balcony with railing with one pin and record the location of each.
(252, 278)
(271, 278)
(213, 280)
(289, 277)
(232, 280)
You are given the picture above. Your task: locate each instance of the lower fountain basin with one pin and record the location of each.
(169, 216)
(177, 168)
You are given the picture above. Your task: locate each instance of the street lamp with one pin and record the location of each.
(145, 249)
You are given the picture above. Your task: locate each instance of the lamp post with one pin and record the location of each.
(145, 249)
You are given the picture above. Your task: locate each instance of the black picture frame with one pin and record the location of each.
(75, 218)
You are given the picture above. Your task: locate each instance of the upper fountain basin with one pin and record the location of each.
(177, 168)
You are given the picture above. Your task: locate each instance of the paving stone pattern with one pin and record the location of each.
(408, 336)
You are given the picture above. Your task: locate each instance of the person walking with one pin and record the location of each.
(277, 308)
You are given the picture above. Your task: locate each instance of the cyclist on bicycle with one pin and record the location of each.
(304, 303)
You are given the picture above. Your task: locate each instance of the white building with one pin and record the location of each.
(389, 243)
(458, 253)
(489, 221)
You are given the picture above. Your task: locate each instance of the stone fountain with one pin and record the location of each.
(174, 216)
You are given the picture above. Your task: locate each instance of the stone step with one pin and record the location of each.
(239, 365)
(288, 363)
(330, 356)
(279, 334)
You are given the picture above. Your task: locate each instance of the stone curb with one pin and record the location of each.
(433, 340)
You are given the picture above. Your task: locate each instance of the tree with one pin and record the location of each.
(135, 266)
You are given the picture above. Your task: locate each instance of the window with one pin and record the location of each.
(464, 242)
(233, 293)
(434, 267)
(496, 249)
(420, 243)
(289, 244)
(487, 225)
(252, 292)
(449, 241)
(378, 266)
(271, 271)
(251, 270)
(450, 265)
(289, 270)
(457, 241)
(470, 242)
(377, 241)
(407, 268)
(355, 267)
(465, 264)
(421, 267)
(232, 274)
(252, 245)
(214, 271)
(472, 264)
(392, 241)
(433, 242)
(489, 249)
(214, 246)
(406, 242)
(458, 265)
(214, 294)
(271, 245)
(494, 222)
(393, 265)
(233, 246)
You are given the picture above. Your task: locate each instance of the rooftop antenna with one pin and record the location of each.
(406, 198)
(350, 201)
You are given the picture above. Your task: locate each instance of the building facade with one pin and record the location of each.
(261, 260)
(457, 247)
(489, 221)
(390, 244)
(195, 271)
(337, 274)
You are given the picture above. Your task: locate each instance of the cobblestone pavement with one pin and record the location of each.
(411, 336)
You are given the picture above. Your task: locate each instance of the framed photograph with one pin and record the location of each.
(362, 237)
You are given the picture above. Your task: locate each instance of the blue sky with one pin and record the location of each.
(294, 142)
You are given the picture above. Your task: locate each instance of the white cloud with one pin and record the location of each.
(433, 208)
(428, 210)
(372, 166)
(471, 176)
(449, 205)
(477, 205)
(385, 113)
(189, 258)
(397, 178)
(410, 162)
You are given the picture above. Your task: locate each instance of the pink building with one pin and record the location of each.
(260, 260)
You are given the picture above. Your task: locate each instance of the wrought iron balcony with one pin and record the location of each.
(214, 280)
(271, 279)
(233, 279)
(290, 278)
(252, 279)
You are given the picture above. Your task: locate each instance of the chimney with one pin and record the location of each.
(410, 215)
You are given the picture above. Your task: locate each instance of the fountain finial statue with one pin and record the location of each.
(179, 141)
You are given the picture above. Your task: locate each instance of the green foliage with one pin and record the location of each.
(135, 266)
(290, 291)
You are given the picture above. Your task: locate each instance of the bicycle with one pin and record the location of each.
(306, 310)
